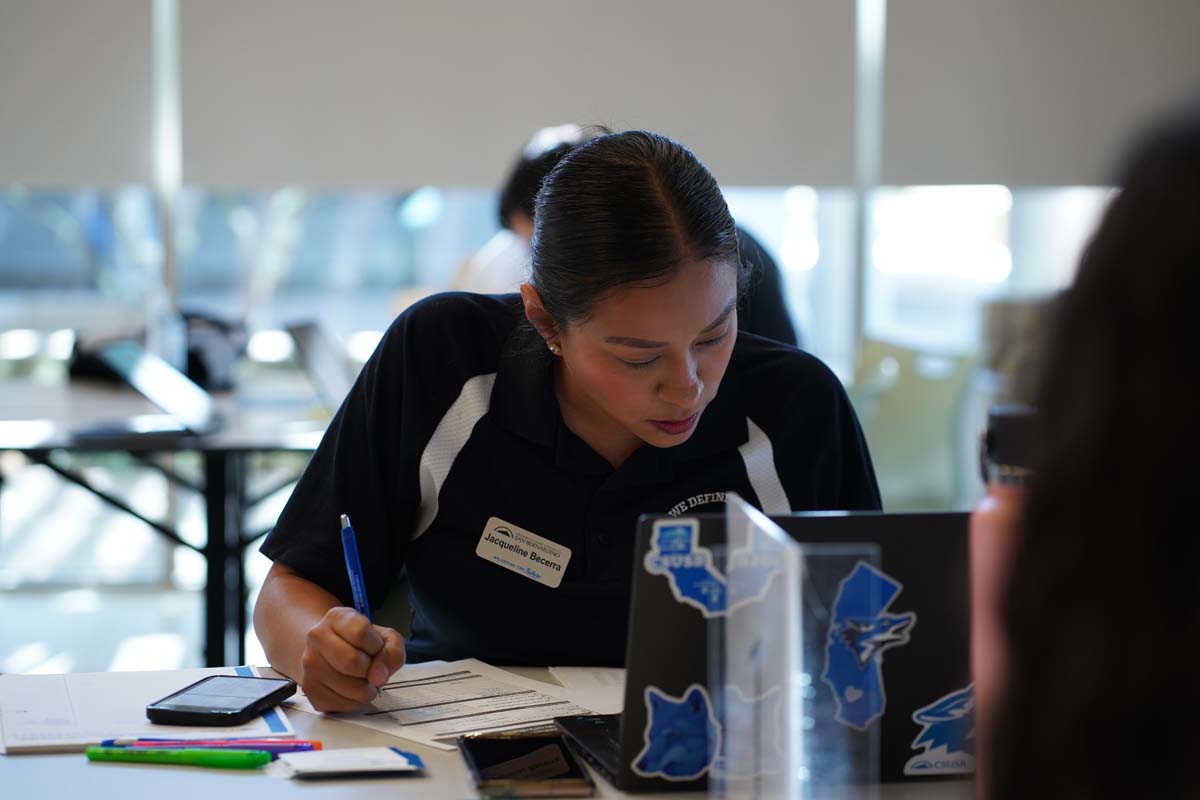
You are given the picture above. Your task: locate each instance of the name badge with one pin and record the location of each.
(522, 552)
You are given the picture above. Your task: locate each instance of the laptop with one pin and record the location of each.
(912, 719)
(325, 362)
(188, 409)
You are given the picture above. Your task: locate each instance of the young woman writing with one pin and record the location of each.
(615, 384)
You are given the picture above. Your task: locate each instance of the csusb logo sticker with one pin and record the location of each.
(948, 736)
(676, 554)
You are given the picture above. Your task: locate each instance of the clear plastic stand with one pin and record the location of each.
(787, 672)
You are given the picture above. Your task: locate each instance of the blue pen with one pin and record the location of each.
(358, 585)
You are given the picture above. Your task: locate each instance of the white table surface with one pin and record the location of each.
(71, 777)
(36, 415)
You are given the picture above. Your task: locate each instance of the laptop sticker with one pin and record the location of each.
(676, 554)
(682, 736)
(860, 631)
(947, 740)
(522, 552)
(750, 573)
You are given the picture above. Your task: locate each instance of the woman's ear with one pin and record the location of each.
(538, 316)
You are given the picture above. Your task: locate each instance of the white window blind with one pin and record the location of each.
(1029, 92)
(383, 94)
(76, 92)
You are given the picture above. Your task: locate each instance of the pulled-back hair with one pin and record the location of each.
(1102, 612)
(625, 209)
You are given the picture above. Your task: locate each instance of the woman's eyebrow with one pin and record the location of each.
(629, 341)
(724, 315)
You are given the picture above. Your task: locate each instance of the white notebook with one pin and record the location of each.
(66, 713)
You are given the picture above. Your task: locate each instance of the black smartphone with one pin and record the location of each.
(221, 700)
(524, 765)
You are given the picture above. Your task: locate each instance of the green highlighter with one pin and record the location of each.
(196, 757)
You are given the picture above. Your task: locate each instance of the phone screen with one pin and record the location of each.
(221, 693)
(527, 766)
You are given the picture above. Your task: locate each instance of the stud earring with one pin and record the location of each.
(553, 348)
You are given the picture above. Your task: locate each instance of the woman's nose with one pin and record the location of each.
(683, 388)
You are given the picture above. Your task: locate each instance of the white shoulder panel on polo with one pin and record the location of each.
(759, 458)
(447, 442)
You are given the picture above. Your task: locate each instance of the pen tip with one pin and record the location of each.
(345, 521)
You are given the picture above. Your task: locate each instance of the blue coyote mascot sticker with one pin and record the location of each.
(948, 736)
(682, 735)
(860, 631)
(684, 739)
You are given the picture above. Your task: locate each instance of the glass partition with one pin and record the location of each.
(786, 666)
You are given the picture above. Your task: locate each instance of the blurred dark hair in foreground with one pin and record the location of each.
(1102, 612)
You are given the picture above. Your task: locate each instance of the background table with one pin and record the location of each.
(40, 419)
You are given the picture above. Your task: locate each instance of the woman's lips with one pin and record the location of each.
(675, 427)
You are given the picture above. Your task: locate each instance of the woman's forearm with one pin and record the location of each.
(288, 606)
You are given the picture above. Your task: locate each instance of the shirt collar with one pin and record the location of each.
(523, 399)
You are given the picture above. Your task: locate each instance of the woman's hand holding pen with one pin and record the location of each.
(347, 660)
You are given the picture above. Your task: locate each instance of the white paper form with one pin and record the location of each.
(65, 713)
(601, 689)
(435, 702)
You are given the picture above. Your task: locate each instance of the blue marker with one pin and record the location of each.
(358, 584)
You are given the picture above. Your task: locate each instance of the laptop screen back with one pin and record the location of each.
(161, 384)
(903, 673)
(324, 361)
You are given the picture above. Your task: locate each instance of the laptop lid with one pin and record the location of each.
(324, 361)
(912, 638)
(926, 720)
(161, 384)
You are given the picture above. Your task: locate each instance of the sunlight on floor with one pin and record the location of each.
(86, 588)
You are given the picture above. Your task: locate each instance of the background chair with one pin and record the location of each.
(910, 406)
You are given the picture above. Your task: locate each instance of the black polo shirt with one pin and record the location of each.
(454, 421)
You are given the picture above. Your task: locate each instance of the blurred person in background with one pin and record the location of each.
(502, 264)
(1102, 611)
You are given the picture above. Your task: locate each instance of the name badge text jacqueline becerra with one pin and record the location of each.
(525, 553)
